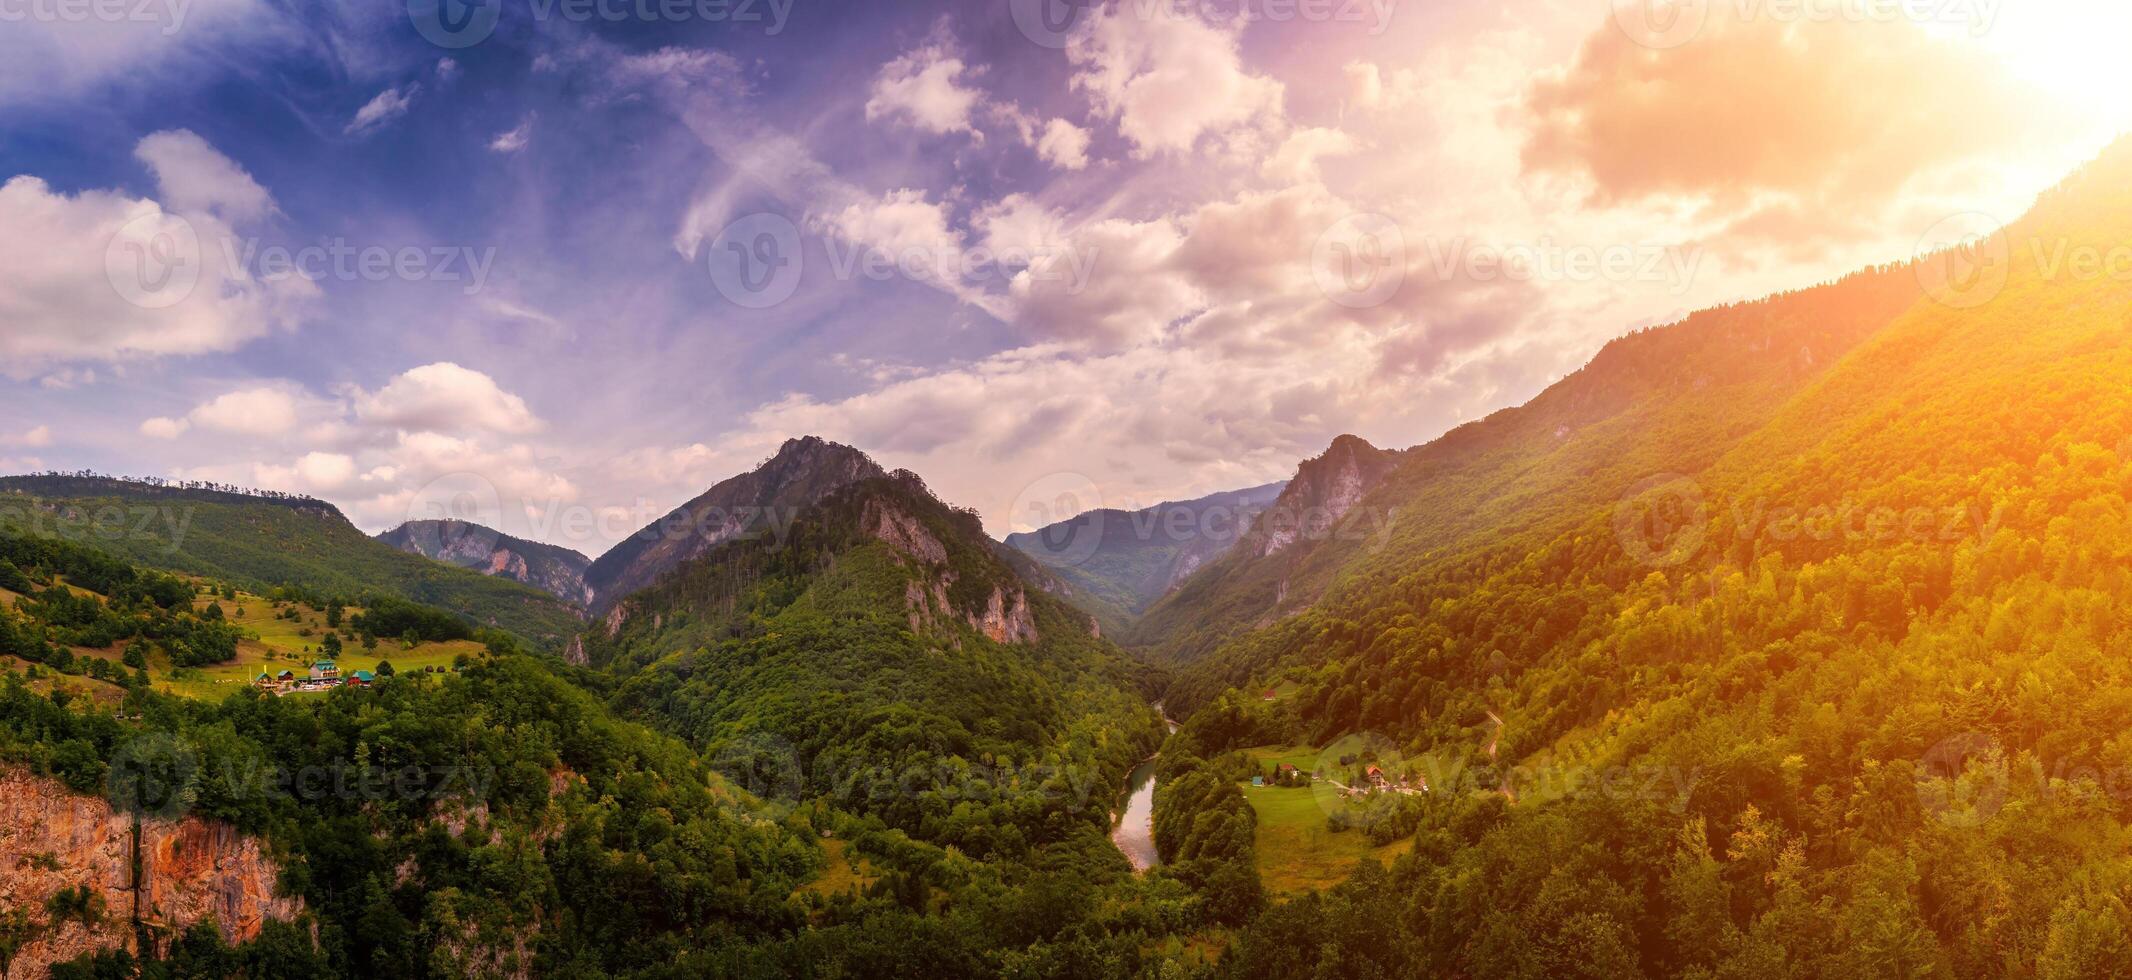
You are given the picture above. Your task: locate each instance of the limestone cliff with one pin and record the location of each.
(191, 869)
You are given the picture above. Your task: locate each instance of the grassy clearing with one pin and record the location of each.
(843, 871)
(1296, 853)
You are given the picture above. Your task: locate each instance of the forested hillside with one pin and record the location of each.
(262, 542)
(1781, 642)
(882, 657)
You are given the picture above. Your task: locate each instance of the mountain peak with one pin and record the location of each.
(804, 470)
(557, 571)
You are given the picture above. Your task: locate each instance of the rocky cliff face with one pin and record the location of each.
(1006, 617)
(191, 869)
(1324, 490)
(559, 572)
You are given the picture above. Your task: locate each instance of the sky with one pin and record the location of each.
(559, 265)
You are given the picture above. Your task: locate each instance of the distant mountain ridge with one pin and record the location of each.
(1115, 563)
(261, 541)
(558, 571)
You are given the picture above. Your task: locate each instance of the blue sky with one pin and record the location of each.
(1162, 252)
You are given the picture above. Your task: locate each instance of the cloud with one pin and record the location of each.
(445, 397)
(262, 411)
(1297, 159)
(923, 89)
(389, 105)
(1167, 77)
(194, 177)
(36, 437)
(1063, 145)
(164, 428)
(514, 140)
(1761, 106)
(102, 276)
(50, 58)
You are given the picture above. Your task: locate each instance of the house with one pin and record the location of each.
(1258, 781)
(1376, 777)
(326, 670)
(1272, 694)
(362, 678)
(265, 681)
(285, 680)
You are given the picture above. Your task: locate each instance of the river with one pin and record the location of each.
(1134, 832)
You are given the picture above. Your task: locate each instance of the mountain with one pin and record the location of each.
(560, 572)
(1835, 577)
(758, 503)
(260, 542)
(1309, 513)
(883, 648)
(1114, 563)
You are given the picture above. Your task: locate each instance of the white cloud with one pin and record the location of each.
(445, 397)
(37, 437)
(1297, 159)
(102, 276)
(195, 178)
(1168, 78)
(164, 428)
(54, 58)
(251, 412)
(387, 106)
(1064, 145)
(923, 88)
(514, 140)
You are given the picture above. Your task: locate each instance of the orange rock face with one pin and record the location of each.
(192, 869)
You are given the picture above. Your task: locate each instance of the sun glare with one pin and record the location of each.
(2074, 50)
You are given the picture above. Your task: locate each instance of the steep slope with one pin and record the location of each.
(891, 660)
(560, 572)
(1664, 400)
(260, 542)
(1310, 514)
(757, 503)
(1863, 637)
(1115, 563)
